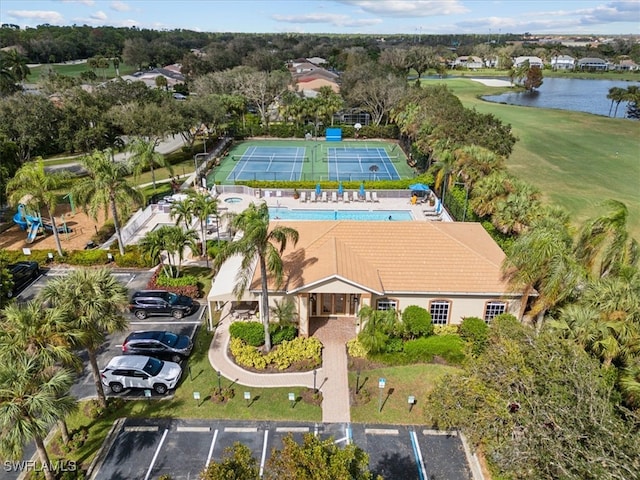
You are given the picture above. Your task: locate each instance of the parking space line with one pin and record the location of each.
(343, 439)
(422, 471)
(162, 322)
(193, 429)
(349, 435)
(381, 431)
(264, 452)
(155, 457)
(141, 428)
(213, 444)
(241, 429)
(441, 433)
(292, 429)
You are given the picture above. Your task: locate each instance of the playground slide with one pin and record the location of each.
(19, 220)
(33, 231)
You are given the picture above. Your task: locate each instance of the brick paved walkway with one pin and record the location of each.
(331, 378)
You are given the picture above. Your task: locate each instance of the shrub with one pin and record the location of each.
(446, 329)
(247, 355)
(448, 347)
(87, 257)
(281, 333)
(475, 332)
(251, 333)
(296, 350)
(190, 290)
(417, 322)
(394, 345)
(355, 349)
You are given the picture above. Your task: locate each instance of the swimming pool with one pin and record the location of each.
(281, 213)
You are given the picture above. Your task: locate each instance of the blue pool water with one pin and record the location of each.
(364, 215)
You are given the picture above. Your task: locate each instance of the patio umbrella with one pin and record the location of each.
(318, 189)
(340, 189)
(362, 189)
(419, 187)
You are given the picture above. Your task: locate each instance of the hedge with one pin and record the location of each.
(191, 287)
(449, 347)
(251, 333)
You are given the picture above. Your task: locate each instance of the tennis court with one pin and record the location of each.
(300, 160)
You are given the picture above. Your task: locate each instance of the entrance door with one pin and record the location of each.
(339, 303)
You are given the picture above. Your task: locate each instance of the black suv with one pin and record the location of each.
(22, 274)
(160, 302)
(159, 344)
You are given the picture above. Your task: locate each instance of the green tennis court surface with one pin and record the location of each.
(295, 160)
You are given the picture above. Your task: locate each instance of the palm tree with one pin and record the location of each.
(95, 301)
(604, 245)
(182, 210)
(45, 332)
(542, 259)
(172, 239)
(32, 399)
(616, 94)
(474, 163)
(37, 187)
(267, 245)
(17, 64)
(144, 156)
(376, 327)
(203, 206)
(106, 189)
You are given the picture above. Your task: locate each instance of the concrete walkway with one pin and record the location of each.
(331, 378)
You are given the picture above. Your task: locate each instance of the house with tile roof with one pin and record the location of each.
(592, 63)
(452, 269)
(563, 62)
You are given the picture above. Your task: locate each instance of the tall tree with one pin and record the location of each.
(95, 302)
(17, 64)
(203, 206)
(106, 189)
(144, 155)
(32, 399)
(36, 187)
(267, 245)
(616, 95)
(170, 239)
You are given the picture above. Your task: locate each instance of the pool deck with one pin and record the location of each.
(162, 217)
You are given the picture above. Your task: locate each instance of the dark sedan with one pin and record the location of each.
(22, 274)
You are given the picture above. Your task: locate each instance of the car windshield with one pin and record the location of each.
(170, 339)
(153, 366)
(172, 298)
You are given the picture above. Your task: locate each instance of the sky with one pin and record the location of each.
(579, 17)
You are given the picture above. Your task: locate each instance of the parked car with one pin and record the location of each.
(139, 371)
(22, 274)
(159, 344)
(160, 302)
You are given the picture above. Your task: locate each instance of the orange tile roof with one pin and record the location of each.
(386, 257)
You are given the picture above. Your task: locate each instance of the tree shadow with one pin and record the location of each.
(394, 467)
(389, 393)
(253, 400)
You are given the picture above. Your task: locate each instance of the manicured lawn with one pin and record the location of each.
(75, 69)
(576, 159)
(401, 382)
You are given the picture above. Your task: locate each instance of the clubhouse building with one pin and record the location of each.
(452, 269)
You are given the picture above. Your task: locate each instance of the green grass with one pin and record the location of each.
(74, 70)
(401, 382)
(575, 159)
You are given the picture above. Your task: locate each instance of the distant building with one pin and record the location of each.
(533, 62)
(563, 62)
(592, 63)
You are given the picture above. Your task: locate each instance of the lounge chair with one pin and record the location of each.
(356, 197)
(374, 197)
(324, 196)
(312, 196)
(303, 197)
(334, 197)
(367, 196)
(346, 197)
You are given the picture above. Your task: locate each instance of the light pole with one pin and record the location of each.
(219, 384)
(381, 384)
(315, 372)
(195, 161)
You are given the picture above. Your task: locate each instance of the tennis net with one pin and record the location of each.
(269, 159)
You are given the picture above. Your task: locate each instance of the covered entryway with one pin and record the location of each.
(331, 304)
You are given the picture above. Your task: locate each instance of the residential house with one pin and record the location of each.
(452, 269)
(467, 61)
(563, 62)
(592, 63)
(626, 65)
(172, 76)
(533, 61)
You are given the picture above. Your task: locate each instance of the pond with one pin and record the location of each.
(569, 94)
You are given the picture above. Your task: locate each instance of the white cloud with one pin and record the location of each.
(333, 19)
(119, 6)
(99, 15)
(408, 8)
(44, 16)
(88, 3)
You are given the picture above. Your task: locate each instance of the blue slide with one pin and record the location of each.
(20, 220)
(33, 230)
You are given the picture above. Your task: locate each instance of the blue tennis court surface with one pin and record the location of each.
(360, 164)
(269, 163)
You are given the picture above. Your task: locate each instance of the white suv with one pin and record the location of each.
(138, 371)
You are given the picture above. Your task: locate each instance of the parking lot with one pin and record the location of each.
(147, 449)
(84, 386)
